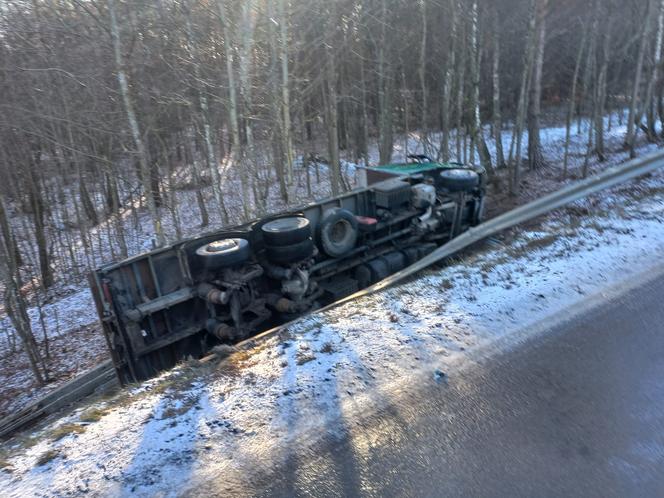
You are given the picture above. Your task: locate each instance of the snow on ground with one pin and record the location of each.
(220, 422)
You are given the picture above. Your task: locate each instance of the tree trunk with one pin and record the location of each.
(38, 216)
(444, 152)
(497, 120)
(654, 77)
(331, 124)
(237, 154)
(385, 93)
(285, 92)
(210, 156)
(423, 78)
(601, 90)
(535, 158)
(630, 139)
(515, 161)
(461, 86)
(476, 58)
(133, 124)
(15, 305)
(572, 103)
(275, 78)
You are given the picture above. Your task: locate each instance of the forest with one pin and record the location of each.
(126, 125)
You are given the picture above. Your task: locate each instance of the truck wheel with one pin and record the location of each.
(286, 231)
(459, 180)
(224, 252)
(293, 253)
(337, 232)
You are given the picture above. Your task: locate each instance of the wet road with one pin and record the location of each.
(579, 411)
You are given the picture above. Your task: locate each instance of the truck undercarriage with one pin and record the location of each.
(180, 301)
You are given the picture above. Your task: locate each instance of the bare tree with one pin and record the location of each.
(497, 119)
(15, 304)
(535, 157)
(123, 83)
(630, 139)
(572, 103)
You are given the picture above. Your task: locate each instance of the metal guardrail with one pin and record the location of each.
(104, 375)
(96, 380)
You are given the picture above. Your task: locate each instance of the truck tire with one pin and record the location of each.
(286, 231)
(459, 180)
(224, 252)
(337, 232)
(293, 253)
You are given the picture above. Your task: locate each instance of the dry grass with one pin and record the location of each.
(446, 284)
(488, 266)
(47, 456)
(303, 357)
(327, 348)
(66, 430)
(541, 242)
(93, 415)
(176, 411)
(5, 465)
(163, 386)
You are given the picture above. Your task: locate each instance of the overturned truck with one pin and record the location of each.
(180, 301)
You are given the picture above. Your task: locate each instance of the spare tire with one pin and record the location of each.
(224, 252)
(294, 253)
(286, 231)
(337, 232)
(459, 180)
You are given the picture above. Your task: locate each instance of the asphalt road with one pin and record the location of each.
(578, 411)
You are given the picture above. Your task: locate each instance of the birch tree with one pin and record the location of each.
(630, 138)
(647, 107)
(237, 152)
(15, 304)
(385, 91)
(571, 110)
(285, 91)
(495, 78)
(515, 160)
(476, 61)
(123, 83)
(535, 157)
(447, 85)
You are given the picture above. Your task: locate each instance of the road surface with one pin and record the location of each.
(577, 411)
